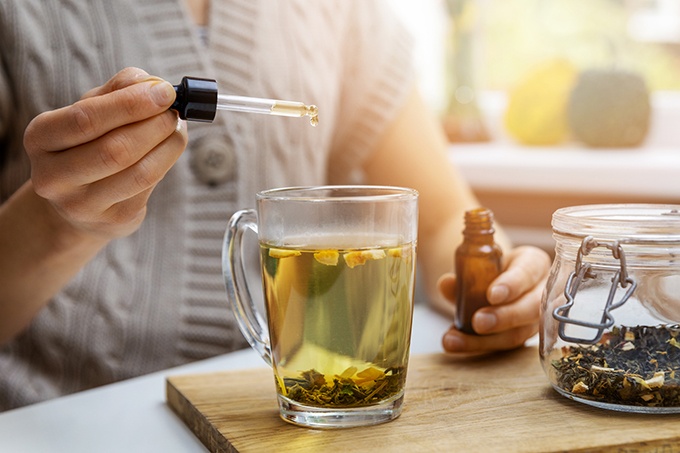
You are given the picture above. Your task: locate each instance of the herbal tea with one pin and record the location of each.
(339, 322)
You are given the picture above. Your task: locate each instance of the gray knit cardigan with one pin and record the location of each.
(156, 299)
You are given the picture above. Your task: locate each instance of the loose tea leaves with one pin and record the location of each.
(349, 389)
(635, 366)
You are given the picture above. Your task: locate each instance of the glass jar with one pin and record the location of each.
(610, 315)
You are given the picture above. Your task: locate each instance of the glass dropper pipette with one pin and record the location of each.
(198, 100)
(268, 107)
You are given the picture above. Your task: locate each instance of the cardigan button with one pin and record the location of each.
(213, 160)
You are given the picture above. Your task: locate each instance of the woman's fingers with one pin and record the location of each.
(124, 78)
(447, 286)
(520, 312)
(93, 117)
(116, 198)
(104, 156)
(142, 175)
(525, 267)
(455, 341)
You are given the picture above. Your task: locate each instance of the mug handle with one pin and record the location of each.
(252, 325)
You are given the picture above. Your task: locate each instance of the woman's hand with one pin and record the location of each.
(515, 298)
(94, 165)
(97, 161)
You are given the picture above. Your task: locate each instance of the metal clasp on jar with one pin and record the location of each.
(584, 271)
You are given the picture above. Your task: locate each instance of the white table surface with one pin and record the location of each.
(132, 416)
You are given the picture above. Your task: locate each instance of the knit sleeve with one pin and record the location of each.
(5, 101)
(5, 94)
(13, 169)
(378, 75)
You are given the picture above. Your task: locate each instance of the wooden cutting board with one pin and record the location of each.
(501, 402)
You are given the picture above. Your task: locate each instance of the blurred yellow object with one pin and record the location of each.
(537, 106)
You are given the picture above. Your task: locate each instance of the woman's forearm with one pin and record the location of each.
(39, 254)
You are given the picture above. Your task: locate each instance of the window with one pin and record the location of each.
(498, 42)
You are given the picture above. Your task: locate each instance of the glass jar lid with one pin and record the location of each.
(632, 223)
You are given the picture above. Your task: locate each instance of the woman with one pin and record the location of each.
(110, 232)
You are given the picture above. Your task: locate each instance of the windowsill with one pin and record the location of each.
(652, 172)
(524, 186)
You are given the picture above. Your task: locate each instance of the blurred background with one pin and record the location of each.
(553, 103)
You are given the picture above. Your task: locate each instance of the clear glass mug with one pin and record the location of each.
(338, 275)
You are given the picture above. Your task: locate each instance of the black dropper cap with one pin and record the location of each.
(196, 99)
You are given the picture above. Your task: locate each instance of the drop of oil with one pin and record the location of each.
(313, 113)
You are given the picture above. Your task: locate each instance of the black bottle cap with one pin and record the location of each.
(196, 99)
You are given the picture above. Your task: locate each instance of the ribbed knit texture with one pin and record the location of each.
(156, 299)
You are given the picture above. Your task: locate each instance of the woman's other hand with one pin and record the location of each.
(515, 298)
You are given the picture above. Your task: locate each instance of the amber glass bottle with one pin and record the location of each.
(478, 263)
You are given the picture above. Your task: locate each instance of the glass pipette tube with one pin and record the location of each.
(268, 107)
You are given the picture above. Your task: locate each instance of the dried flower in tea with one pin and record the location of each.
(359, 257)
(348, 389)
(635, 366)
